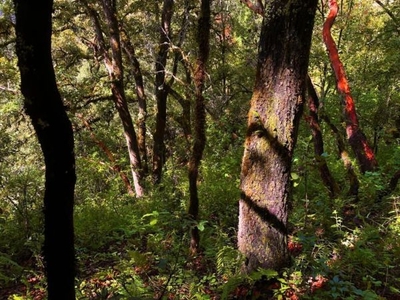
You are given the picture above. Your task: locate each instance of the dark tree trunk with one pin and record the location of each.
(53, 128)
(357, 140)
(161, 91)
(139, 87)
(273, 120)
(313, 121)
(203, 36)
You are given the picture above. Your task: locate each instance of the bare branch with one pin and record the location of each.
(6, 89)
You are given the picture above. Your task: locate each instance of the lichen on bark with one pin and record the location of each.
(273, 119)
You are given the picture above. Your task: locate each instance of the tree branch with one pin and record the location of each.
(388, 12)
(6, 89)
(257, 8)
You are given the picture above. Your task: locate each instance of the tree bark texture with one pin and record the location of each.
(313, 121)
(199, 138)
(162, 90)
(357, 140)
(273, 120)
(53, 128)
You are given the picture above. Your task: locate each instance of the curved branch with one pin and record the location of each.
(357, 140)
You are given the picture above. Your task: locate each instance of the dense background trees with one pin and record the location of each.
(129, 247)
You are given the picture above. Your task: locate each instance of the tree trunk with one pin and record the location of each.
(115, 71)
(185, 118)
(139, 87)
(117, 88)
(203, 36)
(161, 91)
(54, 131)
(357, 140)
(313, 121)
(273, 120)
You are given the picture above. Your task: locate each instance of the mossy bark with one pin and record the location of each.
(273, 119)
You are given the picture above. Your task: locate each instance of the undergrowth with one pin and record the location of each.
(138, 249)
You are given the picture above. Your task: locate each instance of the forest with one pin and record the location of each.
(213, 149)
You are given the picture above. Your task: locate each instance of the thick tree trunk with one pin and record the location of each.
(357, 140)
(203, 36)
(273, 119)
(313, 121)
(161, 91)
(53, 128)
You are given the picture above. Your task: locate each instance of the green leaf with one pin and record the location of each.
(154, 213)
(294, 176)
(200, 225)
(394, 290)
